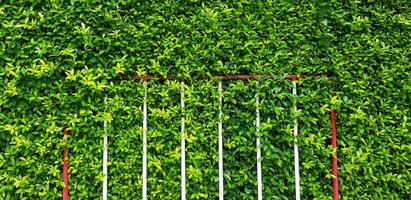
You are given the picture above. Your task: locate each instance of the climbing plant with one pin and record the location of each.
(60, 59)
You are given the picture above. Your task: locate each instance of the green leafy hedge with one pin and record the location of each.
(59, 59)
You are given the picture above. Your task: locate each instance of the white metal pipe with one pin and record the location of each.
(105, 155)
(259, 172)
(145, 142)
(296, 156)
(220, 143)
(183, 146)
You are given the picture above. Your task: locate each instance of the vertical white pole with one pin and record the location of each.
(183, 146)
(145, 142)
(296, 162)
(105, 151)
(220, 143)
(259, 173)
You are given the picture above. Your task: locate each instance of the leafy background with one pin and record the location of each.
(59, 59)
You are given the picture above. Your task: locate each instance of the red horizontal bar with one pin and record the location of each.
(224, 77)
(294, 77)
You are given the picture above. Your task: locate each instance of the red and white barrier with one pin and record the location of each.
(293, 78)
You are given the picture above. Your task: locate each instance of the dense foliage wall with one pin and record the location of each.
(59, 59)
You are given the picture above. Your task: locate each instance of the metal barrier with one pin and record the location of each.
(257, 78)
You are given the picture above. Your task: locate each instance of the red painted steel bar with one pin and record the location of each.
(225, 77)
(334, 156)
(65, 169)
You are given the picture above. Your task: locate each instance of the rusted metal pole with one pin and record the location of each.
(334, 154)
(65, 168)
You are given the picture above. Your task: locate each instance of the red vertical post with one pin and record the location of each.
(65, 168)
(334, 156)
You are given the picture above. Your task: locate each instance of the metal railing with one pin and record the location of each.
(257, 78)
